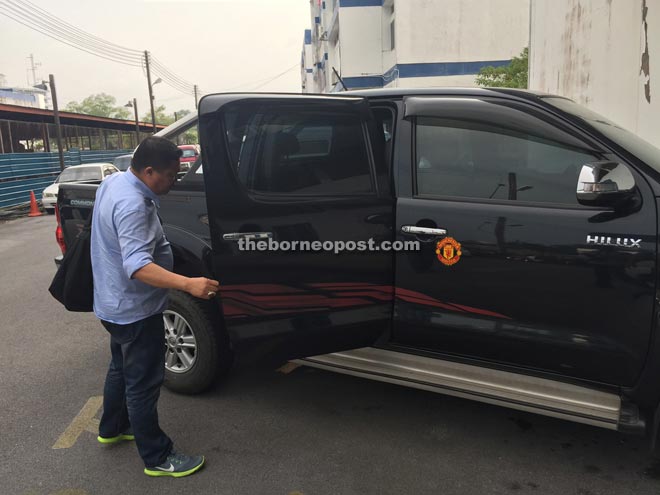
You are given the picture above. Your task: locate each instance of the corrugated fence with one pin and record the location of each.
(21, 173)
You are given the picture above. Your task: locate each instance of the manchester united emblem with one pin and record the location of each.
(448, 251)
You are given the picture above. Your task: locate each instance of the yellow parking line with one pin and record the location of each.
(93, 426)
(79, 423)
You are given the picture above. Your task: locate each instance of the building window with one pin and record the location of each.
(392, 45)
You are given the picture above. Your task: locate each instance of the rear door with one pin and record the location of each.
(288, 180)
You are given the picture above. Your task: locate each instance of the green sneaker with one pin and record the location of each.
(177, 466)
(126, 436)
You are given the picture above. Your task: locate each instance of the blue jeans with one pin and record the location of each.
(132, 386)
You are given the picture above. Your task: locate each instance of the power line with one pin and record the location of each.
(277, 76)
(71, 27)
(37, 19)
(33, 17)
(66, 42)
(159, 65)
(173, 83)
(54, 27)
(258, 81)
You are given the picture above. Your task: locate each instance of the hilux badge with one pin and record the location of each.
(626, 242)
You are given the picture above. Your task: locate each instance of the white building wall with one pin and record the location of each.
(436, 42)
(388, 16)
(443, 34)
(460, 30)
(591, 51)
(361, 42)
(430, 82)
(24, 97)
(308, 68)
(307, 64)
(648, 117)
(334, 60)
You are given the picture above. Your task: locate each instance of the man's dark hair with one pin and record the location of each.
(156, 152)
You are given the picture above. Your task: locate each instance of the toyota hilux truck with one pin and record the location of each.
(533, 282)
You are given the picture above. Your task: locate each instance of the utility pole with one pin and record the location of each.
(33, 69)
(137, 123)
(56, 113)
(151, 93)
(196, 100)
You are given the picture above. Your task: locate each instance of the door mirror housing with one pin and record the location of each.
(607, 184)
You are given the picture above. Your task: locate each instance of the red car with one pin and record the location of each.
(190, 154)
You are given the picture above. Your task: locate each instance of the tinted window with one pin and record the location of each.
(188, 153)
(643, 150)
(73, 174)
(314, 141)
(473, 160)
(299, 152)
(123, 162)
(182, 132)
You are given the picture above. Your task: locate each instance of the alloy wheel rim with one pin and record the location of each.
(180, 343)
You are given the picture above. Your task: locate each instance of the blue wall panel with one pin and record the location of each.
(21, 173)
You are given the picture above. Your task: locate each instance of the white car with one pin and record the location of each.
(75, 173)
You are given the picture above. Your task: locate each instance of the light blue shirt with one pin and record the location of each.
(126, 236)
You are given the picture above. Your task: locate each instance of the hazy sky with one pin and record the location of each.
(217, 44)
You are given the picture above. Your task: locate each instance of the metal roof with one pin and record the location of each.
(28, 114)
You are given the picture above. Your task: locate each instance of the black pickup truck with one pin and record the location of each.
(534, 285)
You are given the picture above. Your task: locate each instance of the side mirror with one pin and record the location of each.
(606, 184)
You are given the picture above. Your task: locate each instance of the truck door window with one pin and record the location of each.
(485, 161)
(299, 152)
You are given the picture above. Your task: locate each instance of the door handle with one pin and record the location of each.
(235, 236)
(413, 229)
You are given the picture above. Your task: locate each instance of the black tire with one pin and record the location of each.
(213, 356)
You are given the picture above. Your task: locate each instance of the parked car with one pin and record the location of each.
(122, 162)
(535, 284)
(189, 156)
(75, 173)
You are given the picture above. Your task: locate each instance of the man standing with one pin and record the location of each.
(132, 262)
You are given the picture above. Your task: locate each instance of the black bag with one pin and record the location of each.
(73, 284)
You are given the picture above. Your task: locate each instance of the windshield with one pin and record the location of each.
(122, 163)
(74, 174)
(188, 153)
(642, 149)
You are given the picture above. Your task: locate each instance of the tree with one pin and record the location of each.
(164, 118)
(100, 105)
(190, 136)
(161, 117)
(182, 113)
(513, 75)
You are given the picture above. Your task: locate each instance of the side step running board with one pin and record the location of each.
(526, 393)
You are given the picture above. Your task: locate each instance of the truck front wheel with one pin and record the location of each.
(196, 346)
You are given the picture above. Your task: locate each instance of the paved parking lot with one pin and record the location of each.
(266, 432)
